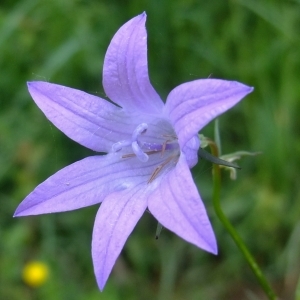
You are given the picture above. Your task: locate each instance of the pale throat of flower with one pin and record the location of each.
(161, 142)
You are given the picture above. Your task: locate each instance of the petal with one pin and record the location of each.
(125, 70)
(87, 182)
(89, 120)
(192, 105)
(190, 151)
(114, 222)
(176, 204)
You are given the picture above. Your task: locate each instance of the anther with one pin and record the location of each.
(158, 168)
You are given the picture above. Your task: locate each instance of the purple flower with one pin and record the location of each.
(150, 148)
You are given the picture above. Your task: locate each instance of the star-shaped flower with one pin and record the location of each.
(150, 148)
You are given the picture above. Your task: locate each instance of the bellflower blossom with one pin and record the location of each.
(150, 148)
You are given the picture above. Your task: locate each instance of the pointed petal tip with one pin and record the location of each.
(208, 244)
(250, 89)
(142, 17)
(17, 213)
(101, 277)
(20, 212)
(212, 243)
(246, 89)
(214, 250)
(241, 86)
(30, 84)
(101, 286)
(34, 85)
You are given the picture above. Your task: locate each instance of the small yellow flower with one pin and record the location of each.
(35, 273)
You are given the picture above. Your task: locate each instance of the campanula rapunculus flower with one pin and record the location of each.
(150, 148)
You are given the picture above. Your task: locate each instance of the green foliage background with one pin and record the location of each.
(254, 42)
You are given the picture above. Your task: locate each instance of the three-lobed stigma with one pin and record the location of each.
(142, 146)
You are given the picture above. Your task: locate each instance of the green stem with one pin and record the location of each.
(235, 236)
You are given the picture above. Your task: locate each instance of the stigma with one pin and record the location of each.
(148, 140)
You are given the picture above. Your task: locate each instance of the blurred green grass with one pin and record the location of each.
(255, 42)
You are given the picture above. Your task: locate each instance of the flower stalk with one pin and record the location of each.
(230, 229)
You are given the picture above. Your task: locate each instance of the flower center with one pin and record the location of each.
(148, 140)
(141, 148)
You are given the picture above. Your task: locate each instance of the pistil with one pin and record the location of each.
(142, 148)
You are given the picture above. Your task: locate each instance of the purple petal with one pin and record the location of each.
(125, 70)
(89, 120)
(176, 204)
(192, 105)
(86, 182)
(114, 222)
(190, 151)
